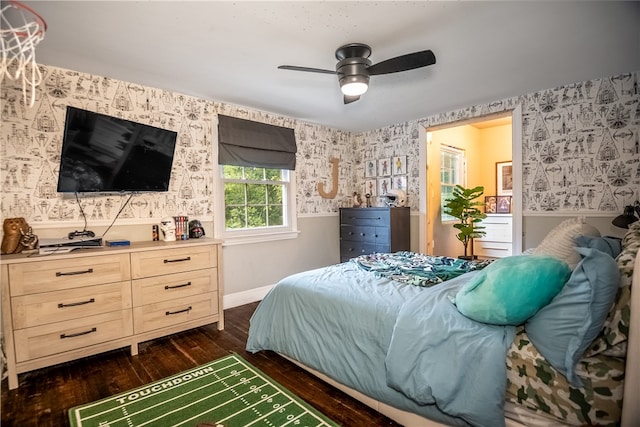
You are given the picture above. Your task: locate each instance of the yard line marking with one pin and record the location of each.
(201, 400)
(269, 413)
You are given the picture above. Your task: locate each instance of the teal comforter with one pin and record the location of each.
(404, 345)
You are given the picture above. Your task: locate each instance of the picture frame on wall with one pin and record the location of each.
(490, 204)
(503, 204)
(384, 185)
(399, 165)
(504, 178)
(370, 168)
(384, 166)
(400, 182)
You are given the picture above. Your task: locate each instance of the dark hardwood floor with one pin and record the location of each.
(45, 395)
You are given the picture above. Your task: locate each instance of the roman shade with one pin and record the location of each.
(247, 143)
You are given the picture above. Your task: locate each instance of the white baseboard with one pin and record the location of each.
(246, 297)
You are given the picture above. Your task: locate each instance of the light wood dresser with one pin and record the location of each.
(60, 307)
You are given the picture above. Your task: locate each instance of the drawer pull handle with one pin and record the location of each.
(177, 286)
(364, 217)
(73, 304)
(73, 273)
(63, 336)
(169, 313)
(177, 260)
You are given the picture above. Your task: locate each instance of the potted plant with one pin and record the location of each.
(463, 206)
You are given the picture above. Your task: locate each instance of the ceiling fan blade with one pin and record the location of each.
(311, 70)
(406, 62)
(349, 99)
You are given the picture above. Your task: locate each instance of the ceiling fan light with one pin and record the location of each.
(354, 84)
(354, 88)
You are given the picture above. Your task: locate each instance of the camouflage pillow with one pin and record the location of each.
(633, 235)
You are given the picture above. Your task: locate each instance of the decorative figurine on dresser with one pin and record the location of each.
(368, 230)
(17, 236)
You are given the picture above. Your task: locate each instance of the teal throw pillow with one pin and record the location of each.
(511, 290)
(564, 329)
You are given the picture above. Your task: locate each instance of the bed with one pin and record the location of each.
(399, 332)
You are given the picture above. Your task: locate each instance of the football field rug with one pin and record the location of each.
(227, 392)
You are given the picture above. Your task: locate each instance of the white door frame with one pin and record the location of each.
(516, 206)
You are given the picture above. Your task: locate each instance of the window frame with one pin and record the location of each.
(461, 177)
(255, 234)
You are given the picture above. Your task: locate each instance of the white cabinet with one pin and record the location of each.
(498, 242)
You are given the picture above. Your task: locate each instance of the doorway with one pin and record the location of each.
(486, 143)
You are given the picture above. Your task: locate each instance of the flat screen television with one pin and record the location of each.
(104, 154)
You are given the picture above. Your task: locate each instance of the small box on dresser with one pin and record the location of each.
(367, 230)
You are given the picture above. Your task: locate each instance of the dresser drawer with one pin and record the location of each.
(492, 249)
(45, 340)
(358, 233)
(168, 261)
(172, 286)
(497, 229)
(169, 313)
(365, 216)
(45, 276)
(57, 306)
(349, 249)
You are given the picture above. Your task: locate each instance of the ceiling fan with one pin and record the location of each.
(354, 67)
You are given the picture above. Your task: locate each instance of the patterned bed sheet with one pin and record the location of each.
(415, 268)
(533, 383)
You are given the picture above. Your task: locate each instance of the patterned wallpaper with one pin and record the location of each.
(581, 145)
(31, 141)
(581, 149)
(316, 146)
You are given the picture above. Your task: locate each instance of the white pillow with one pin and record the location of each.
(560, 242)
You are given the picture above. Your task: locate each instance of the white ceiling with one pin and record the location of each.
(229, 51)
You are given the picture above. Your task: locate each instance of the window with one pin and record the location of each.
(257, 203)
(255, 191)
(452, 172)
(254, 197)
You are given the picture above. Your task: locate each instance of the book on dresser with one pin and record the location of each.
(367, 230)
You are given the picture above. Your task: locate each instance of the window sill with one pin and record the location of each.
(230, 240)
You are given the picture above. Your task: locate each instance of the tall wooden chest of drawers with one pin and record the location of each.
(61, 307)
(368, 230)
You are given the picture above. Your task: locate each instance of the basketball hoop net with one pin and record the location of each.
(21, 29)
